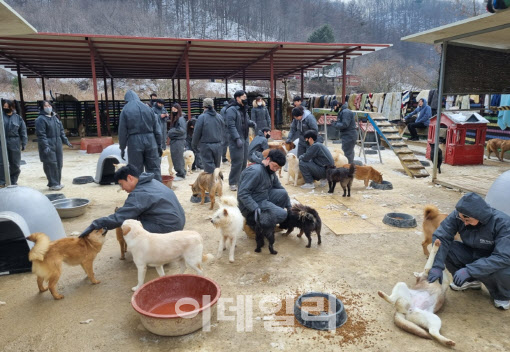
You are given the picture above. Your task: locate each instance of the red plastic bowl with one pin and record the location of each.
(155, 303)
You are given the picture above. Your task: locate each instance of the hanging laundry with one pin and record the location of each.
(423, 94)
(350, 103)
(464, 105)
(406, 96)
(357, 102)
(450, 101)
(496, 100)
(504, 116)
(475, 98)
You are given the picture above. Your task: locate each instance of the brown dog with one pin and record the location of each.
(278, 146)
(492, 147)
(212, 183)
(122, 242)
(366, 173)
(47, 257)
(505, 146)
(431, 220)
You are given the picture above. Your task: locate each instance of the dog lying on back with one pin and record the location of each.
(306, 219)
(432, 218)
(415, 307)
(212, 183)
(264, 228)
(47, 257)
(342, 175)
(439, 156)
(366, 173)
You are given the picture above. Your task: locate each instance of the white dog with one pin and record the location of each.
(293, 171)
(189, 159)
(339, 158)
(158, 249)
(415, 307)
(168, 155)
(229, 220)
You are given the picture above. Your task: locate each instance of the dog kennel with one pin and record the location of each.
(106, 164)
(497, 197)
(24, 211)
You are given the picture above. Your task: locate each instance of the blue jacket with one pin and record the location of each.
(424, 113)
(490, 239)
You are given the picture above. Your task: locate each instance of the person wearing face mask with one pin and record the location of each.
(313, 163)
(152, 101)
(346, 124)
(223, 114)
(16, 140)
(260, 114)
(260, 189)
(238, 126)
(258, 145)
(162, 117)
(190, 129)
(483, 256)
(177, 136)
(209, 133)
(50, 136)
(303, 121)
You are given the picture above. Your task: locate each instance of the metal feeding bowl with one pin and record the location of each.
(399, 220)
(384, 185)
(70, 207)
(198, 199)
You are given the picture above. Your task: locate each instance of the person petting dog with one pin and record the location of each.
(261, 190)
(149, 201)
(346, 124)
(258, 145)
(209, 133)
(313, 163)
(483, 256)
(424, 113)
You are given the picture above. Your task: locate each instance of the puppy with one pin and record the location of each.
(293, 171)
(120, 239)
(168, 155)
(439, 156)
(306, 219)
(415, 307)
(47, 257)
(493, 146)
(366, 173)
(505, 146)
(212, 183)
(230, 221)
(342, 175)
(339, 158)
(81, 130)
(158, 249)
(431, 220)
(264, 227)
(189, 159)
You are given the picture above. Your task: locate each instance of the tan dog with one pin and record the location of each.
(493, 146)
(189, 159)
(278, 146)
(227, 155)
(81, 130)
(293, 171)
(415, 307)
(505, 146)
(431, 220)
(229, 220)
(47, 257)
(158, 249)
(339, 159)
(366, 173)
(168, 155)
(212, 183)
(120, 238)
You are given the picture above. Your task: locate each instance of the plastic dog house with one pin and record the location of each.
(497, 197)
(106, 164)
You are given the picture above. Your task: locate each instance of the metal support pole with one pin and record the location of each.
(439, 106)
(302, 83)
(3, 144)
(273, 105)
(107, 104)
(94, 82)
(20, 87)
(43, 88)
(113, 100)
(244, 80)
(226, 88)
(188, 89)
(344, 78)
(173, 91)
(179, 90)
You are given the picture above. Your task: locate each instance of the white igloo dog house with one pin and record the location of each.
(106, 164)
(497, 196)
(24, 211)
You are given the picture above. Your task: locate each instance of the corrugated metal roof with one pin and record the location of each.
(55, 55)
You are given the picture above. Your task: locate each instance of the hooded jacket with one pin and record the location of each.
(345, 120)
(208, 129)
(137, 119)
(299, 127)
(490, 239)
(158, 111)
(238, 122)
(153, 204)
(50, 134)
(424, 113)
(15, 131)
(319, 154)
(177, 131)
(260, 115)
(257, 146)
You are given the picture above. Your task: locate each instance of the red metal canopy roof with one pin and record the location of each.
(56, 55)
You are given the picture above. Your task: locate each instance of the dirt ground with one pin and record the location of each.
(365, 257)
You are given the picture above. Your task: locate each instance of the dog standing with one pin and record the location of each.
(432, 218)
(158, 249)
(264, 228)
(439, 156)
(168, 155)
(339, 158)
(342, 175)
(120, 239)
(47, 257)
(415, 307)
(230, 221)
(189, 159)
(366, 173)
(212, 183)
(493, 146)
(505, 146)
(293, 171)
(306, 219)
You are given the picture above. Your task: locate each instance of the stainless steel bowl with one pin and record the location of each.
(71, 207)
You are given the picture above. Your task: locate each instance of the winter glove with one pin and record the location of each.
(435, 274)
(70, 145)
(160, 152)
(123, 154)
(301, 157)
(23, 148)
(461, 276)
(239, 143)
(47, 150)
(288, 141)
(88, 230)
(256, 215)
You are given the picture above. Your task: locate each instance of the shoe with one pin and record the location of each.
(502, 304)
(178, 178)
(324, 182)
(55, 188)
(308, 186)
(474, 285)
(233, 188)
(61, 186)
